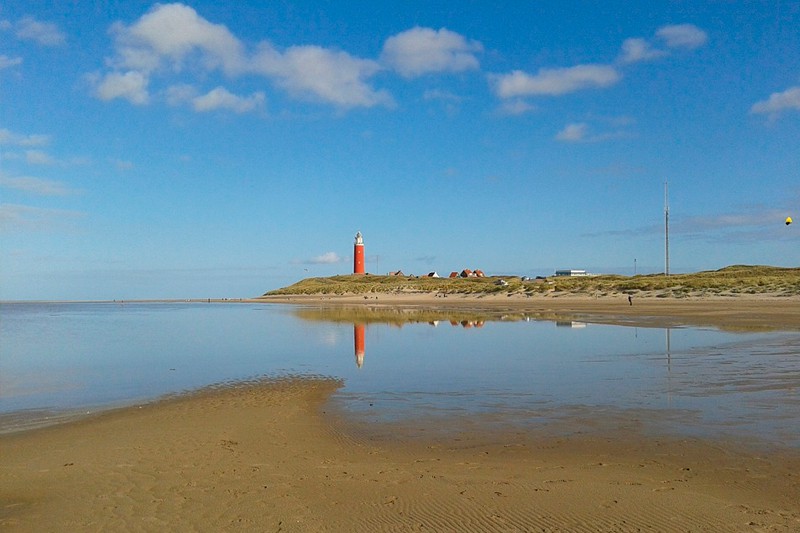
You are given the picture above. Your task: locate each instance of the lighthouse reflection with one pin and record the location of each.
(359, 344)
(360, 332)
(362, 317)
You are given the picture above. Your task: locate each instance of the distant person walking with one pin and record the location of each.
(630, 300)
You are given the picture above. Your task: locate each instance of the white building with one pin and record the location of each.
(572, 273)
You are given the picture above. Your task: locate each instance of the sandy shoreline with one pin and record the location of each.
(270, 457)
(279, 456)
(741, 312)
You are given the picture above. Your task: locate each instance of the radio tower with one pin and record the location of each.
(666, 230)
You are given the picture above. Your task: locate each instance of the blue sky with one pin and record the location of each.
(200, 150)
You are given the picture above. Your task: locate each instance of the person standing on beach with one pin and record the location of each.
(630, 300)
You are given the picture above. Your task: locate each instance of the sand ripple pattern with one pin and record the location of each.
(267, 456)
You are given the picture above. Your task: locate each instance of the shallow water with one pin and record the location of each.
(436, 370)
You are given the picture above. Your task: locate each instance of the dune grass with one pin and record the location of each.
(728, 281)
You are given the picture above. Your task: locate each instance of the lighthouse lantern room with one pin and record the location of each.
(358, 254)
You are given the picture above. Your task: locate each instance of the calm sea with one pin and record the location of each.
(431, 368)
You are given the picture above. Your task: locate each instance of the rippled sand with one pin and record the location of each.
(273, 456)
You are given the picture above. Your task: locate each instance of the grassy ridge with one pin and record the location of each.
(729, 281)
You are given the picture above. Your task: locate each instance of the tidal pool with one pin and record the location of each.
(432, 370)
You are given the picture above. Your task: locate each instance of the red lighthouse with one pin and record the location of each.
(358, 255)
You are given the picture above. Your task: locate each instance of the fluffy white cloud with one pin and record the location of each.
(574, 132)
(328, 75)
(635, 50)
(218, 98)
(221, 98)
(131, 86)
(682, 36)
(168, 35)
(44, 33)
(174, 38)
(421, 51)
(778, 102)
(6, 62)
(556, 81)
(180, 94)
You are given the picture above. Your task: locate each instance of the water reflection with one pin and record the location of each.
(359, 343)
(398, 317)
(451, 366)
(667, 349)
(362, 316)
(570, 324)
(518, 369)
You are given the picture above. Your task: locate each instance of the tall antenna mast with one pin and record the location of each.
(666, 229)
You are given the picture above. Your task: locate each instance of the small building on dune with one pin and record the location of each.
(433, 274)
(453, 274)
(570, 273)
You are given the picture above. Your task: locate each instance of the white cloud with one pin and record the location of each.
(44, 33)
(574, 132)
(180, 94)
(171, 39)
(558, 81)
(171, 33)
(328, 75)
(221, 98)
(421, 51)
(131, 86)
(682, 36)
(778, 102)
(7, 62)
(16, 139)
(581, 132)
(327, 258)
(33, 185)
(555, 81)
(635, 50)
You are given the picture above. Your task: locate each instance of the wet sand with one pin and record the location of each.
(761, 312)
(279, 456)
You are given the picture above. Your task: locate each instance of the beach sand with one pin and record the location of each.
(756, 312)
(278, 456)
